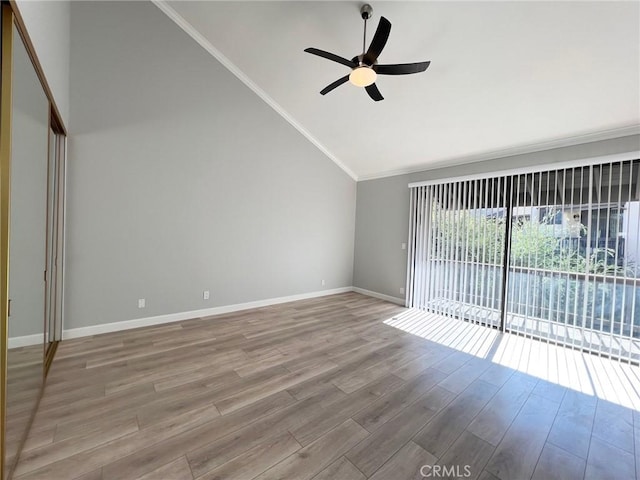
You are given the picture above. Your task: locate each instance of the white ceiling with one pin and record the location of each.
(505, 76)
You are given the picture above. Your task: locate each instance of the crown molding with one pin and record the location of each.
(229, 65)
(511, 151)
(187, 27)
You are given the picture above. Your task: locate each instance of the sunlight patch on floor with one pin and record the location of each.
(607, 379)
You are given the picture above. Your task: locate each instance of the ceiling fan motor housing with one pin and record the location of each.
(366, 11)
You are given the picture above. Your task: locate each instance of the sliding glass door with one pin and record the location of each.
(552, 254)
(574, 266)
(458, 249)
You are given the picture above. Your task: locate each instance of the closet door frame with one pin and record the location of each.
(5, 212)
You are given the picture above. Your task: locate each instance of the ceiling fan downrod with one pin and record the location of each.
(366, 12)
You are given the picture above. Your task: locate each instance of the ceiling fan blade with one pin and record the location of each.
(330, 56)
(333, 85)
(401, 68)
(379, 41)
(374, 93)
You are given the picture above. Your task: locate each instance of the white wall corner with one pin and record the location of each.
(381, 296)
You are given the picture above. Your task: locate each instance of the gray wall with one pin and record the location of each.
(382, 214)
(181, 179)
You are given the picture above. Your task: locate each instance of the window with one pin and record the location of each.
(552, 254)
(550, 216)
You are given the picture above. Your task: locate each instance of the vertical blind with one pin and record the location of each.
(552, 254)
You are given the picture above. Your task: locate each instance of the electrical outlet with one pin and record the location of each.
(403, 246)
(205, 295)
(142, 303)
(402, 290)
(322, 282)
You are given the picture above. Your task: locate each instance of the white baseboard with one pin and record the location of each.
(26, 340)
(381, 296)
(177, 317)
(37, 339)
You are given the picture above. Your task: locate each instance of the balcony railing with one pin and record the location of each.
(598, 312)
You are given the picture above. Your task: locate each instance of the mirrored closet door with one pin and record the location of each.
(31, 233)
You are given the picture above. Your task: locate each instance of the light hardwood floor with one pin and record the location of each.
(24, 384)
(318, 389)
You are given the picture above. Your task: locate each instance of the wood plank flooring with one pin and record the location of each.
(317, 389)
(24, 385)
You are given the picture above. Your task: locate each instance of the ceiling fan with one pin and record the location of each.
(365, 67)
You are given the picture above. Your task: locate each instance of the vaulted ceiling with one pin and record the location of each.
(505, 77)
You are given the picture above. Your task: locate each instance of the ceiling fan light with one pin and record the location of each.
(362, 76)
